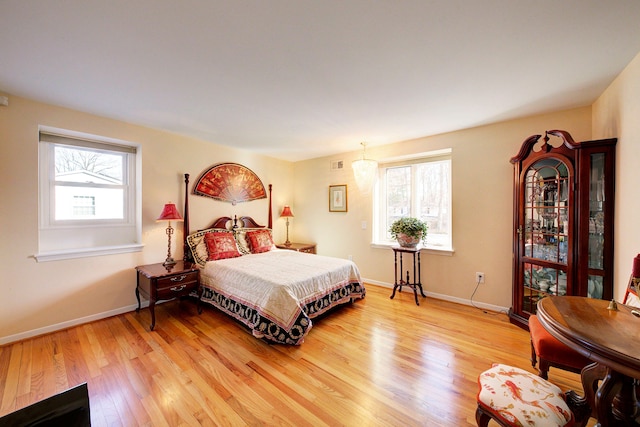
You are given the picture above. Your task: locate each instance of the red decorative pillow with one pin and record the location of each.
(221, 246)
(260, 241)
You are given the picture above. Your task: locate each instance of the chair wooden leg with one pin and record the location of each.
(543, 369)
(482, 418)
(579, 406)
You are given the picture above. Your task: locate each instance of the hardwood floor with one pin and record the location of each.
(375, 362)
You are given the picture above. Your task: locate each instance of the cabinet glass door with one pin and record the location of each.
(546, 230)
(596, 226)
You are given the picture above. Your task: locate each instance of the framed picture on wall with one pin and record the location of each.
(337, 198)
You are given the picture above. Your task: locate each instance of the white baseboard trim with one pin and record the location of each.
(68, 324)
(449, 298)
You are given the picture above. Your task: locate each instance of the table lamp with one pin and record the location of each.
(286, 213)
(169, 213)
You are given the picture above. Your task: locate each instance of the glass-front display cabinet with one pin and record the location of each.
(563, 220)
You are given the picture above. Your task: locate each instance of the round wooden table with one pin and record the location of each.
(609, 337)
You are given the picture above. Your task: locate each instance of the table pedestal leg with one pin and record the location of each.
(616, 403)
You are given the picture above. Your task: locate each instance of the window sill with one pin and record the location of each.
(431, 250)
(87, 252)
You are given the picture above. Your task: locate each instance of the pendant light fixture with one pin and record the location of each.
(364, 171)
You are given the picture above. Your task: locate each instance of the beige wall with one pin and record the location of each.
(617, 114)
(482, 179)
(36, 297)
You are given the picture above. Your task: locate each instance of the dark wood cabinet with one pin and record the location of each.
(563, 220)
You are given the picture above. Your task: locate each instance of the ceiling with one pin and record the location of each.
(300, 79)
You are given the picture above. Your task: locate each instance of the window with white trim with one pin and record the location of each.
(420, 187)
(89, 196)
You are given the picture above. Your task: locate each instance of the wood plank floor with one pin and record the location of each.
(375, 362)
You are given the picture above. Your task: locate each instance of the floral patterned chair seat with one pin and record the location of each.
(514, 397)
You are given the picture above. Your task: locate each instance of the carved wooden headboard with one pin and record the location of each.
(245, 221)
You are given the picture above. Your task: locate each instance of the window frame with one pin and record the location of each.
(75, 238)
(442, 245)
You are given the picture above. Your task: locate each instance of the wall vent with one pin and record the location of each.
(337, 165)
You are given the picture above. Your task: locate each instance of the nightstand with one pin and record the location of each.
(309, 248)
(157, 282)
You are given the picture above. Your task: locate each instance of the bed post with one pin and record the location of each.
(185, 224)
(270, 215)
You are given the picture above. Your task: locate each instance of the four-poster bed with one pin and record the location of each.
(274, 293)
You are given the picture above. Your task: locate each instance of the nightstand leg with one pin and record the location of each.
(152, 308)
(138, 297)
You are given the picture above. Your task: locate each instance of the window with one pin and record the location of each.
(419, 187)
(89, 201)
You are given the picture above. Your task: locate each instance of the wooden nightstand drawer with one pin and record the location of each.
(175, 291)
(178, 282)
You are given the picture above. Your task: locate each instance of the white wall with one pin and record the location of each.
(617, 114)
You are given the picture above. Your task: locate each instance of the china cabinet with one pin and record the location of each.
(563, 220)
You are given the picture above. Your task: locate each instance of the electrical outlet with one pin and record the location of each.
(479, 277)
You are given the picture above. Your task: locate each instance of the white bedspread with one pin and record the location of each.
(280, 283)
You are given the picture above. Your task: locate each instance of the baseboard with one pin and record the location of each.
(481, 305)
(68, 324)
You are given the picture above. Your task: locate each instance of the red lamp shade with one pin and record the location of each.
(170, 213)
(286, 211)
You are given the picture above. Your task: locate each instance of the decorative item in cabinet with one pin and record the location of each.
(563, 220)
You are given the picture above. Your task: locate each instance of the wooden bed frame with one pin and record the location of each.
(245, 221)
(273, 314)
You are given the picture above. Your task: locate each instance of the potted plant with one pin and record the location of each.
(408, 231)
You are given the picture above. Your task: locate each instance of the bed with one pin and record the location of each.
(275, 293)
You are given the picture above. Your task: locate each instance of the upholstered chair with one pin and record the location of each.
(514, 397)
(548, 351)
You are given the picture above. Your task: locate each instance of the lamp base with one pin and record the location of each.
(169, 262)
